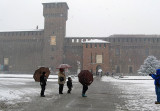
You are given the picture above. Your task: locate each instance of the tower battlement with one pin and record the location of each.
(58, 9)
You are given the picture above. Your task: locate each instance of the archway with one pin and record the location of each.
(98, 70)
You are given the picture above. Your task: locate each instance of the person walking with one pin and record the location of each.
(43, 80)
(85, 88)
(69, 85)
(61, 80)
(85, 78)
(156, 77)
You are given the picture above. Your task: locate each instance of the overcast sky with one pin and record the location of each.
(86, 17)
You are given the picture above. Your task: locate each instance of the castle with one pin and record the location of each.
(24, 51)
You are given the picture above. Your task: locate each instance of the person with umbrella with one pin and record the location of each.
(61, 80)
(156, 77)
(43, 80)
(85, 78)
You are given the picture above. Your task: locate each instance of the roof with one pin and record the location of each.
(34, 30)
(54, 1)
(95, 41)
(121, 36)
(85, 37)
(134, 36)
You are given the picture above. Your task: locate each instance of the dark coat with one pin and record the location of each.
(69, 83)
(43, 80)
(156, 77)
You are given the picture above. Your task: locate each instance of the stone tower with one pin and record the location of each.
(55, 17)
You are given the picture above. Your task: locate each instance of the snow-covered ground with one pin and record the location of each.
(17, 88)
(23, 76)
(138, 92)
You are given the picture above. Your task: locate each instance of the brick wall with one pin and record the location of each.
(89, 57)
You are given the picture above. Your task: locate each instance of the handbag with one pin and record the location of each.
(61, 79)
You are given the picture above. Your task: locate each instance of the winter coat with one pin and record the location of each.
(43, 80)
(156, 77)
(61, 78)
(69, 83)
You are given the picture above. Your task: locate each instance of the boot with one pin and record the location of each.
(83, 95)
(42, 95)
(156, 102)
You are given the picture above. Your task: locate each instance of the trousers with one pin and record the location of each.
(157, 89)
(85, 88)
(61, 88)
(43, 87)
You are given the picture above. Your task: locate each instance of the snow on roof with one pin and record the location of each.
(53, 1)
(134, 36)
(22, 30)
(95, 41)
(88, 37)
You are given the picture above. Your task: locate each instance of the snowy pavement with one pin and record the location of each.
(132, 93)
(138, 92)
(16, 89)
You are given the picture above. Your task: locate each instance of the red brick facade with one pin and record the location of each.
(90, 59)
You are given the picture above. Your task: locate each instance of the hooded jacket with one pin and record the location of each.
(156, 77)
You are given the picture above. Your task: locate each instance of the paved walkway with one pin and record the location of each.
(102, 96)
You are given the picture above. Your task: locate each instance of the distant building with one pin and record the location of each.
(25, 51)
(96, 55)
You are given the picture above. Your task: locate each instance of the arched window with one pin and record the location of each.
(72, 40)
(117, 69)
(130, 69)
(86, 45)
(147, 51)
(95, 46)
(117, 52)
(77, 40)
(90, 45)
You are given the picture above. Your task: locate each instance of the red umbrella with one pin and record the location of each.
(63, 66)
(85, 77)
(38, 73)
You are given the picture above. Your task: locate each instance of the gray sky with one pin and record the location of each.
(87, 17)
